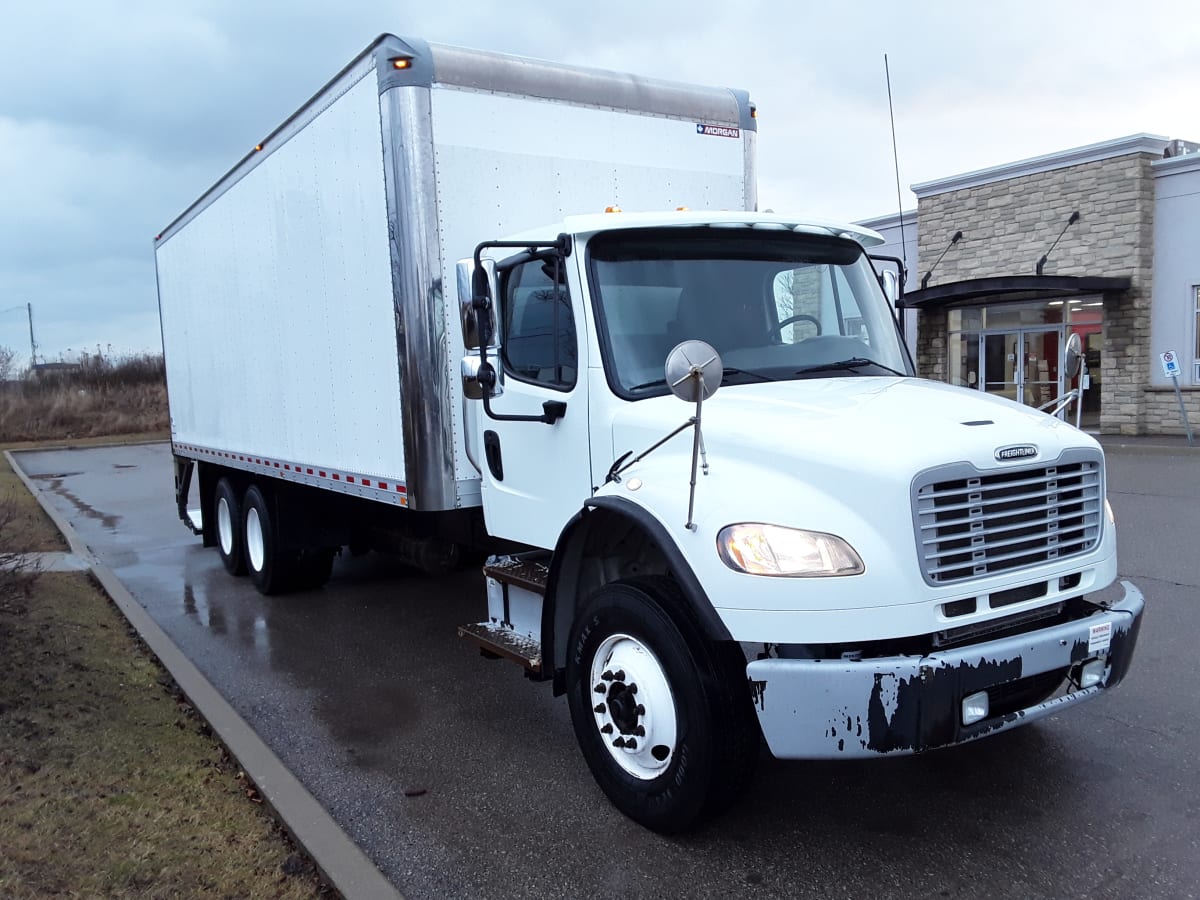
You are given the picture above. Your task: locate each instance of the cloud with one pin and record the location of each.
(122, 112)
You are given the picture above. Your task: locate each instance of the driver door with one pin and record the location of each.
(536, 476)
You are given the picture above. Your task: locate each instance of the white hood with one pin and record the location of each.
(901, 425)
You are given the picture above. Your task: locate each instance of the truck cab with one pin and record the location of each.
(868, 563)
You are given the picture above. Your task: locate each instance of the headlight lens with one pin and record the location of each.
(758, 549)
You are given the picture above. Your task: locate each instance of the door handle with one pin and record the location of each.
(491, 450)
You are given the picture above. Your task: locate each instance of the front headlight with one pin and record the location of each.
(758, 549)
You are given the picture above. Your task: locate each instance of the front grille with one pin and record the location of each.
(972, 524)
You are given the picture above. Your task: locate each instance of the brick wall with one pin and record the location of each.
(1007, 226)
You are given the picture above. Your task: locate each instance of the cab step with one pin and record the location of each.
(513, 631)
(501, 642)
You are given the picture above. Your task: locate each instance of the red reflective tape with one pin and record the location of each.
(350, 479)
(286, 466)
(383, 485)
(323, 475)
(366, 482)
(277, 465)
(309, 471)
(337, 477)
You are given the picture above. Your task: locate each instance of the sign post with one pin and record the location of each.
(1170, 364)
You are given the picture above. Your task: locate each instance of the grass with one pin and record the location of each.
(110, 784)
(101, 397)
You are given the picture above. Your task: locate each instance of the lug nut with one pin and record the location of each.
(619, 674)
(607, 675)
(632, 688)
(600, 688)
(599, 707)
(607, 729)
(619, 742)
(640, 731)
(631, 744)
(641, 710)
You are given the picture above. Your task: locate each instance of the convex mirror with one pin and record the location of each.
(1072, 356)
(694, 371)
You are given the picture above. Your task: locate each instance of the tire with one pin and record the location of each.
(271, 570)
(230, 537)
(663, 717)
(314, 567)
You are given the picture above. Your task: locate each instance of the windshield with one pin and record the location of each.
(775, 305)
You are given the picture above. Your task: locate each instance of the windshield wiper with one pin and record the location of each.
(728, 370)
(854, 362)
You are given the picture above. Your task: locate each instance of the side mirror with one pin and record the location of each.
(694, 371)
(891, 286)
(476, 282)
(1072, 356)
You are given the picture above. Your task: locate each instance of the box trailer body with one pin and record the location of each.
(403, 323)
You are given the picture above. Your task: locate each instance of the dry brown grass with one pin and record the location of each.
(104, 397)
(110, 785)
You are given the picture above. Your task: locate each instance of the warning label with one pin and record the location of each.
(718, 130)
(1099, 637)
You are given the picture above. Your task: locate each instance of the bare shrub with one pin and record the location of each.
(101, 396)
(18, 569)
(8, 359)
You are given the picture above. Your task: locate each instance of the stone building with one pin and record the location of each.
(1101, 241)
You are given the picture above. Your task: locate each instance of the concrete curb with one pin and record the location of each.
(338, 858)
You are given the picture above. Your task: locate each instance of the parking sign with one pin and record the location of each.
(1170, 363)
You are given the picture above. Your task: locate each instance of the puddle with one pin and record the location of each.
(56, 485)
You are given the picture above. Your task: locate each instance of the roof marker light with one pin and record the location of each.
(612, 209)
(401, 63)
(258, 148)
(683, 209)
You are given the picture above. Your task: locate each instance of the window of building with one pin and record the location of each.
(1196, 348)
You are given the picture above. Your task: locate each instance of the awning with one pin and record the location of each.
(1012, 289)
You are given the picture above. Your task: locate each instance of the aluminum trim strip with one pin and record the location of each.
(385, 489)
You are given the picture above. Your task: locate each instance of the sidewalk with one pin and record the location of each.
(1159, 443)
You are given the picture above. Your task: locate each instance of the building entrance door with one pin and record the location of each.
(1023, 365)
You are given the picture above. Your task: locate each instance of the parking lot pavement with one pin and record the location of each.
(459, 778)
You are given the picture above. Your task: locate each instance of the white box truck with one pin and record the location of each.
(402, 322)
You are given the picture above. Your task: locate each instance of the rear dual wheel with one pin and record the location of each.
(274, 568)
(230, 536)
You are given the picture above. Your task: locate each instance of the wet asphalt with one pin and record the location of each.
(459, 778)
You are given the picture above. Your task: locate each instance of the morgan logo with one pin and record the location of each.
(718, 131)
(1021, 451)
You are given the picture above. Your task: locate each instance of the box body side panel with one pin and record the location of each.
(277, 307)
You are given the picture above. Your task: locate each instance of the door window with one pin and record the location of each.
(539, 343)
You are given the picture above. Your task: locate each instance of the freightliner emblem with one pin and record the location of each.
(1020, 451)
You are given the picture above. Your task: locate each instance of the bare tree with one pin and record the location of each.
(8, 358)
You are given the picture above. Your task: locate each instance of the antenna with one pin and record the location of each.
(896, 160)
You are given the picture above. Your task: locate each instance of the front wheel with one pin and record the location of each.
(663, 716)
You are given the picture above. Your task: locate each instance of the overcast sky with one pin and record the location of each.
(116, 114)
